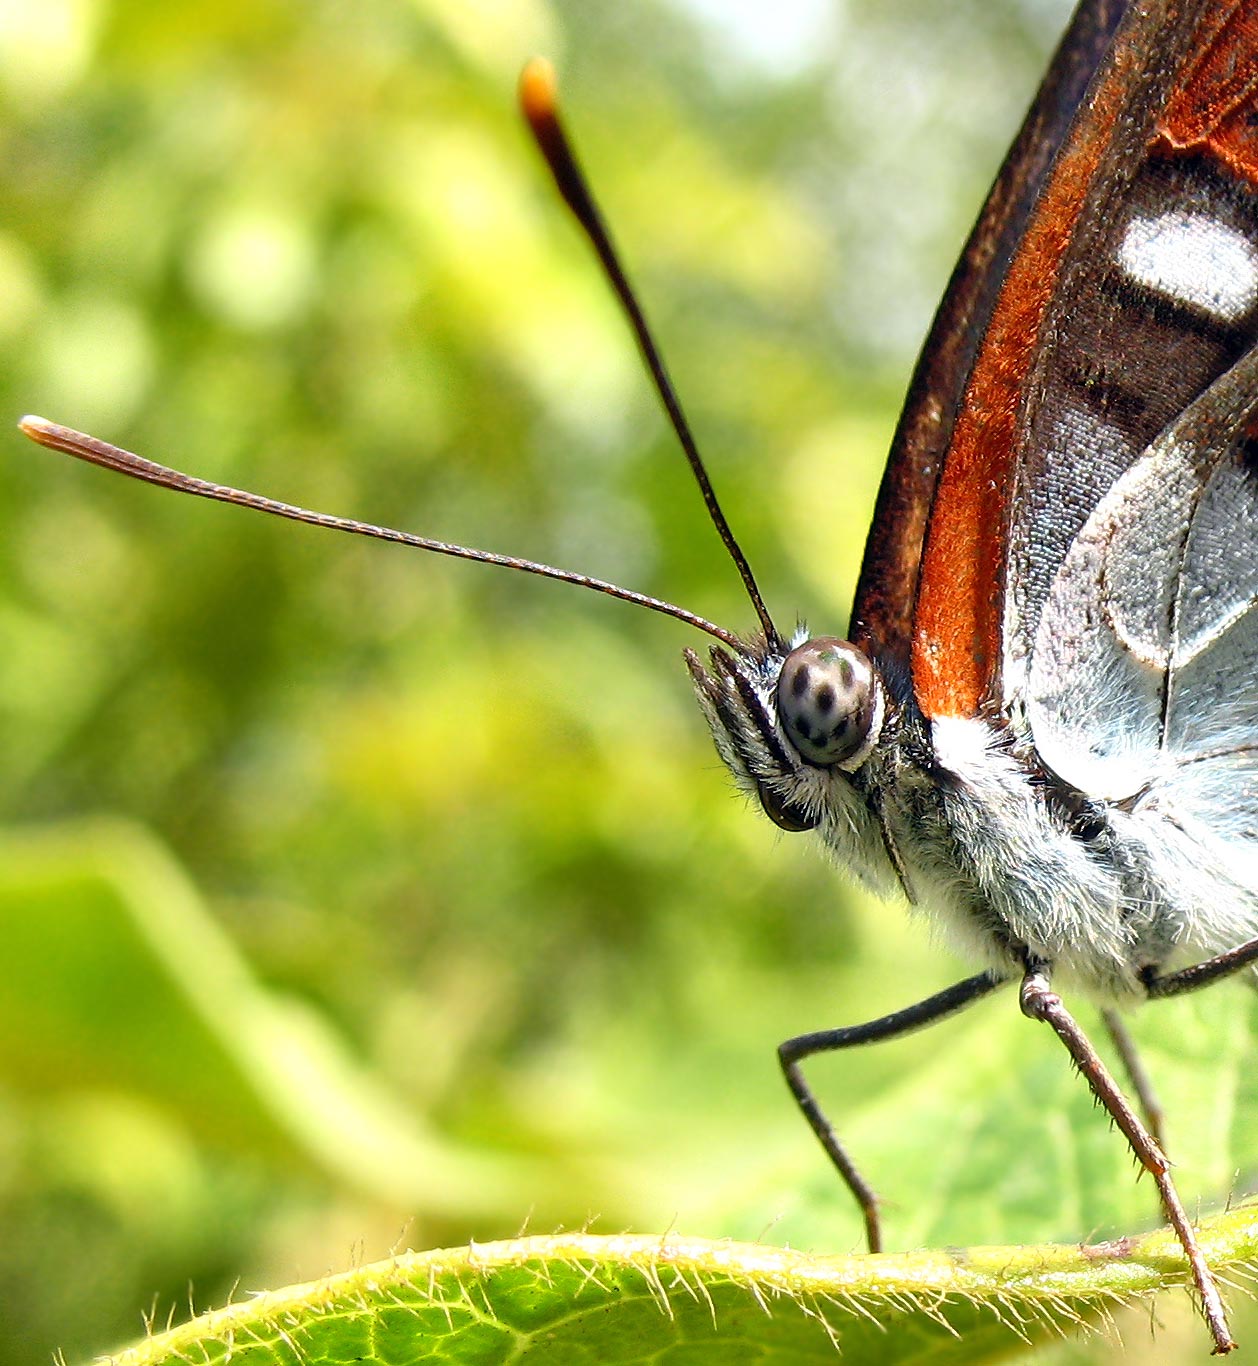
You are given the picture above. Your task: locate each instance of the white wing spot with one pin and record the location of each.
(1194, 259)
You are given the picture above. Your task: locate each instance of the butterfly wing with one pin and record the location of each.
(1150, 701)
(1161, 676)
(882, 615)
(1158, 298)
(1120, 286)
(1130, 625)
(1089, 558)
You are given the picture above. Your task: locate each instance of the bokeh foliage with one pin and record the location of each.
(422, 910)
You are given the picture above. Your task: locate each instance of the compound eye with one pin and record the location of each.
(830, 702)
(786, 815)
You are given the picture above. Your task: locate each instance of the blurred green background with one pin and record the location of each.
(353, 900)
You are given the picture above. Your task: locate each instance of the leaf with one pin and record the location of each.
(580, 1298)
(117, 976)
(988, 1135)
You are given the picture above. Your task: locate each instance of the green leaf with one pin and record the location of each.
(579, 1298)
(117, 977)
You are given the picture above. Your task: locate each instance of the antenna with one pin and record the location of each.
(539, 102)
(97, 452)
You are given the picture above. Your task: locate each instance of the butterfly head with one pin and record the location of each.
(793, 721)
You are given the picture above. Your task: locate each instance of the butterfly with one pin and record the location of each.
(1041, 727)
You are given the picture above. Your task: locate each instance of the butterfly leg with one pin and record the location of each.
(1202, 974)
(1138, 1076)
(1040, 1002)
(793, 1052)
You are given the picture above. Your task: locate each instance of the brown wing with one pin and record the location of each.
(1157, 296)
(1132, 286)
(882, 616)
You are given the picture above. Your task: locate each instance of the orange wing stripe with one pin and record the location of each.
(957, 627)
(1214, 108)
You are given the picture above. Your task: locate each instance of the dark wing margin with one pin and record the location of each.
(886, 593)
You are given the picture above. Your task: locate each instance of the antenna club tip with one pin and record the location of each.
(37, 428)
(539, 91)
